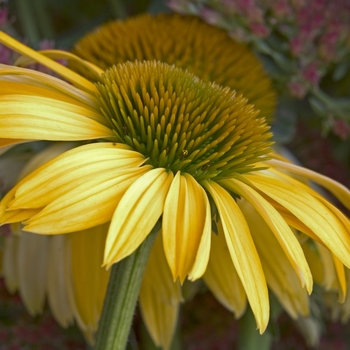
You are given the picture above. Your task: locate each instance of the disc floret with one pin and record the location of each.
(179, 122)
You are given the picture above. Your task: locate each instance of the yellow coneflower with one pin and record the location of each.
(209, 54)
(188, 43)
(175, 148)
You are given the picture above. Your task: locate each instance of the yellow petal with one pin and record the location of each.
(292, 220)
(341, 278)
(52, 151)
(59, 55)
(15, 103)
(57, 295)
(334, 277)
(186, 227)
(311, 211)
(329, 279)
(65, 72)
(339, 190)
(243, 252)
(136, 214)
(32, 258)
(278, 226)
(221, 276)
(89, 204)
(18, 215)
(34, 79)
(19, 90)
(314, 261)
(38, 118)
(72, 169)
(88, 279)
(159, 297)
(40, 158)
(10, 262)
(160, 317)
(281, 277)
(159, 274)
(5, 201)
(345, 307)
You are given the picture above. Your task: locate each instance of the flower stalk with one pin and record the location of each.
(121, 297)
(249, 337)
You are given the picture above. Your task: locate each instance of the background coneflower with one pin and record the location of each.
(188, 43)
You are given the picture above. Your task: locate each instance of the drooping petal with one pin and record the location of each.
(19, 215)
(243, 252)
(309, 210)
(341, 278)
(136, 214)
(46, 155)
(279, 227)
(63, 71)
(59, 104)
(313, 260)
(221, 276)
(339, 190)
(32, 271)
(57, 295)
(159, 297)
(13, 91)
(89, 204)
(343, 310)
(58, 55)
(329, 278)
(159, 274)
(87, 280)
(40, 118)
(71, 169)
(52, 151)
(160, 317)
(281, 278)
(10, 263)
(186, 227)
(10, 88)
(34, 79)
(5, 201)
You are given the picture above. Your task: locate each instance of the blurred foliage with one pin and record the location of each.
(65, 21)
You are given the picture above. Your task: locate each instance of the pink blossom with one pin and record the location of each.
(341, 128)
(312, 74)
(297, 89)
(5, 55)
(260, 30)
(46, 44)
(281, 8)
(210, 16)
(296, 46)
(238, 34)
(4, 14)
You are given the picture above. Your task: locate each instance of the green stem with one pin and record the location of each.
(43, 19)
(121, 297)
(249, 336)
(27, 21)
(117, 8)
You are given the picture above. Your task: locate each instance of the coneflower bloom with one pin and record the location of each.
(163, 144)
